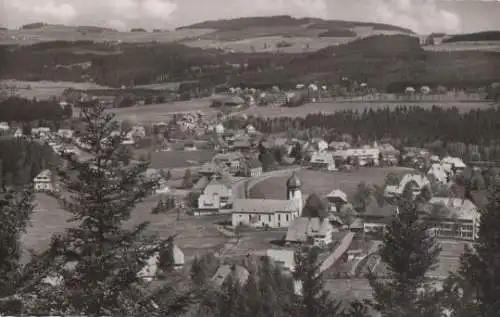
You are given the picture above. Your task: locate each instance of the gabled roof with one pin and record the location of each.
(240, 274)
(265, 206)
(253, 163)
(302, 228)
(337, 193)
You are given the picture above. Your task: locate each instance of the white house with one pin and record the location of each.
(219, 129)
(460, 219)
(417, 181)
(303, 229)
(149, 271)
(285, 259)
(273, 213)
(18, 133)
(453, 165)
(239, 273)
(65, 133)
(40, 131)
(323, 160)
(317, 144)
(250, 129)
(216, 195)
(439, 173)
(336, 199)
(4, 127)
(44, 182)
(363, 155)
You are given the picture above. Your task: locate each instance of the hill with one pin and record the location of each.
(486, 36)
(388, 63)
(239, 24)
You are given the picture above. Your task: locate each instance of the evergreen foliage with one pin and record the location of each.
(409, 252)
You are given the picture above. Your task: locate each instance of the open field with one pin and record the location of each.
(332, 107)
(44, 89)
(72, 33)
(177, 159)
(493, 46)
(269, 44)
(193, 235)
(322, 183)
(163, 112)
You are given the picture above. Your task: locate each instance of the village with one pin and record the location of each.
(215, 179)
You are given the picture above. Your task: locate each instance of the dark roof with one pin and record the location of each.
(293, 181)
(479, 198)
(375, 210)
(253, 163)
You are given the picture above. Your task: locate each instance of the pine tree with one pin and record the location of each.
(474, 289)
(314, 300)
(16, 208)
(98, 259)
(409, 251)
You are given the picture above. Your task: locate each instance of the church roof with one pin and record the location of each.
(293, 181)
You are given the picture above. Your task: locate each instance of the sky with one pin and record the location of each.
(422, 16)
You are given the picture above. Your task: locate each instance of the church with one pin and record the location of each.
(270, 213)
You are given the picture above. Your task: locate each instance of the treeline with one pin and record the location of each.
(476, 130)
(22, 160)
(15, 109)
(474, 37)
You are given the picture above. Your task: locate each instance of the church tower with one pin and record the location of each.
(293, 191)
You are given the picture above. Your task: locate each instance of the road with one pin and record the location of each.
(241, 188)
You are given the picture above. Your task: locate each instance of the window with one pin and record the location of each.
(287, 217)
(269, 218)
(279, 218)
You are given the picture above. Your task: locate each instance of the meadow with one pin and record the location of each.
(44, 89)
(192, 235)
(322, 183)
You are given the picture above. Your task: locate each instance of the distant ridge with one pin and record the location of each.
(485, 36)
(238, 24)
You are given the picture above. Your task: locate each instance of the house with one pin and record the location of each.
(364, 156)
(189, 146)
(137, 131)
(322, 160)
(209, 169)
(161, 186)
(416, 181)
(439, 173)
(453, 165)
(272, 213)
(251, 168)
(215, 196)
(389, 154)
(336, 199)
(338, 146)
(376, 217)
(18, 133)
(227, 101)
(317, 144)
(238, 272)
(149, 271)
(241, 144)
(45, 182)
(318, 231)
(250, 129)
(284, 259)
(4, 128)
(456, 218)
(232, 161)
(65, 133)
(40, 132)
(219, 129)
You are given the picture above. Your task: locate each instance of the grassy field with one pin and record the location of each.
(464, 46)
(322, 183)
(332, 107)
(173, 159)
(163, 112)
(262, 44)
(70, 33)
(44, 89)
(192, 235)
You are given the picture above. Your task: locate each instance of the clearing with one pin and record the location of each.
(192, 235)
(331, 107)
(322, 183)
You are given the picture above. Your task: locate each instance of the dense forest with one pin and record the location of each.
(383, 62)
(22, 160)
(474, 37)
(473, 135)
(15, 109)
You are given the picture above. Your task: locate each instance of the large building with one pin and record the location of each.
(272, 213)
